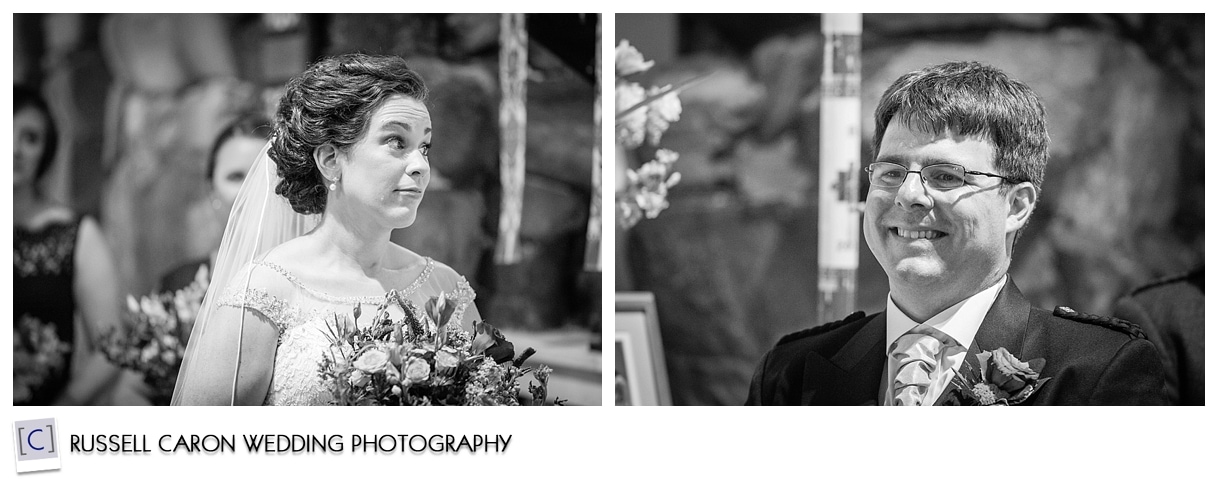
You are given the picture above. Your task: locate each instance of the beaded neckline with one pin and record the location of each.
(418, 282)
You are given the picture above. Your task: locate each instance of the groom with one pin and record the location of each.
(960, 156)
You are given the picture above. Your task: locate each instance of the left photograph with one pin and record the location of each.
(306, 209)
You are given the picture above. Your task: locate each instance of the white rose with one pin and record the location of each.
(372, 361)
(417, 370)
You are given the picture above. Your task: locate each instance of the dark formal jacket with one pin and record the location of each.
(1172, 313)
(1091, 360)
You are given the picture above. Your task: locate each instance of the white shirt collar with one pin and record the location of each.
(960, 321)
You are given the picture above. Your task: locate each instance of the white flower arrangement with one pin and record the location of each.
(643, 115)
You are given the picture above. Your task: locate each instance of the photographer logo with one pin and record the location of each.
(37, 445)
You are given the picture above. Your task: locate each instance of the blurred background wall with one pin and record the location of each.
(733, 261)
(140, 97)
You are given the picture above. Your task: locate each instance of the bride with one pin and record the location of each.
(348, 163)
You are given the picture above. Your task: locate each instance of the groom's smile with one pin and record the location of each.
(917, 233)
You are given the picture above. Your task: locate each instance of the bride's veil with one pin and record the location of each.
(259, 221)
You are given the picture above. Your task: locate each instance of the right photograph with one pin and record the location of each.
(909, 209)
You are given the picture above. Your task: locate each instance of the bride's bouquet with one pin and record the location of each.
(423, 358)
(38, 355)
(153, 340)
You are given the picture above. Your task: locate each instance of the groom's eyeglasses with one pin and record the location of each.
(940, 176)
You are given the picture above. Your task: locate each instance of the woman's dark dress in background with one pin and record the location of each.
(42, 289)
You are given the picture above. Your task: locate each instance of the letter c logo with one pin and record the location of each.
(31, 435)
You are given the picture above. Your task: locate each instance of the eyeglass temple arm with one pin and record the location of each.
(1012, 180)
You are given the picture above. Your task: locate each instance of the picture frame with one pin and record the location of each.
(640, 373)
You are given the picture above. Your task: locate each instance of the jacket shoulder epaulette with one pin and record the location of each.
(1123, 326)
(822, 328)
(1183, 277)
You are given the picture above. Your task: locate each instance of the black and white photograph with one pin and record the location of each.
(783, 209)
(307, 209)
(915, 209)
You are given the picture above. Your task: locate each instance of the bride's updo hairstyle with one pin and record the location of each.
(331, 102)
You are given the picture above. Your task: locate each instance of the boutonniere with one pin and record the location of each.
(1001, 379)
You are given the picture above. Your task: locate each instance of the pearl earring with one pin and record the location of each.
(333, 186)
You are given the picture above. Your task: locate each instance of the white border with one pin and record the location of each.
(715, 442)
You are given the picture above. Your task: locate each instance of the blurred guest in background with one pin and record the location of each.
(1172, 313)
(175, 85)
(61, 266)
(230, 159)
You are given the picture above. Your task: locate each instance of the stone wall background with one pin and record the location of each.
(733, 261)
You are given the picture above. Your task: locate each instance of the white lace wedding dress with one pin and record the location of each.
(301, 314)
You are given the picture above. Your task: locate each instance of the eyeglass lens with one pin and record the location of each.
(941, 176)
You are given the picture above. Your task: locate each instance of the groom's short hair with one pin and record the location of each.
(970, 99)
